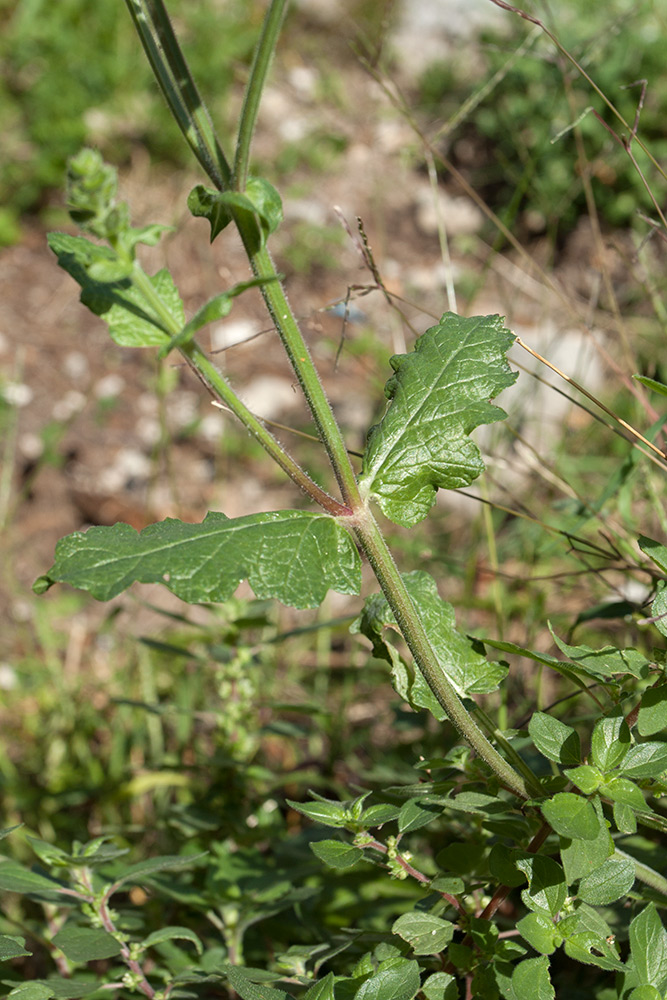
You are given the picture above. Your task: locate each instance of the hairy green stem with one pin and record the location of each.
(178, 87)
(393, 587)
(258, 73)
(532, 781)
(363, 523)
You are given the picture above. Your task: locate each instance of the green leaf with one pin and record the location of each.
(585, 777)
(162, 863)
(267, 204)
(547, 889)
(336, 854)
(624, 791)
(539, 931)
(648, 946)
(206, 203)
(646, 993)
(259, 209)
(652, 717)
(216, 308)
(294, 556)
(61, 989)
(571, 816)
(601, 664)
(86, 944)
(654, 550)
(132, 322)
(613, 879)
(554, 739)
(425, 933)
(645, 760)
(415, 813)
(323, 989)
(12, 947)
(659, 608)
(9, 829)
(590, 948)
(452, 884)
(439, 394)
(530, 980)
(395, 979)
(610, 742)
(322, 811)
(659, 387)
(239, 979)
(379, 814)
(14, 877)
(173, 934)
(503, 865)
(459, 657)
(624, 818)
(440, 986)
(581, 857)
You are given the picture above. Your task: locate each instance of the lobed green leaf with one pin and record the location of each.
(294, 556)
(439, 394)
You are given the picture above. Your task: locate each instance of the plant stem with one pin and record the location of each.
(363, 523)
(216, 381)
(178, 87)
(258, 73)
(393, 587)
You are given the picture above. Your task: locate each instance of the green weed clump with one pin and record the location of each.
(477, 840)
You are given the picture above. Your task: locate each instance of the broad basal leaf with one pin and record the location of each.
(439, 394)
(293, 556)
(132, 321)
(465, 667)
